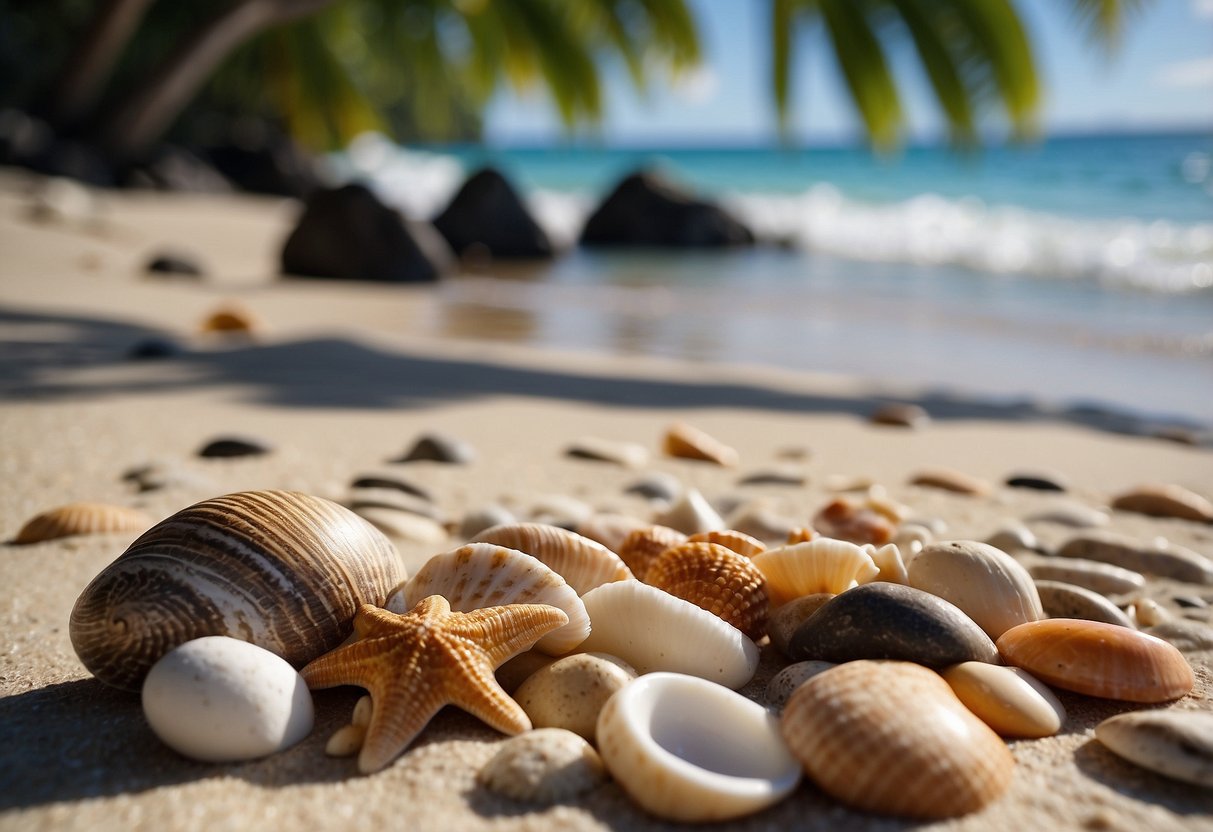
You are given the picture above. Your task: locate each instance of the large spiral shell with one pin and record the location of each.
(280, 569)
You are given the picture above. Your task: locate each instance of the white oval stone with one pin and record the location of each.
(219, 699)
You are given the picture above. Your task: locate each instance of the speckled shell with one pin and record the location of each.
(892, 738)
(716, 579)
(282, 570)
(739, 542)
(986, 583)
(583, 563)
(547, 765)
(482, 575)
(642, 547)
(683, 440)
(82, 518)
(1098, 659)
(820, 565)
(844, 519)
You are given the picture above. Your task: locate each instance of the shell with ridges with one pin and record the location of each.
(989, 585)
(583, 563)
(283, 570)
(643, 546)
(739, 542)
(482, 575)
(82, 518)
(891, 737)
(716, 579)
(820, 565)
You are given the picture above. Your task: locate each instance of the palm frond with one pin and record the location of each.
(861, 58)
(1104, 20)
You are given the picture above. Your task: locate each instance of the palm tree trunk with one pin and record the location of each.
(83, 78)
(152, 107)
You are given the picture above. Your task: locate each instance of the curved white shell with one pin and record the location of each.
(691, 514)
(820, 565)
(889, 561)
(583, 563)
(689, 750)
(652, 630)
(988, 585)
(482, 575)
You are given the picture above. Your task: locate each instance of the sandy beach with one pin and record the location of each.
(339, 379)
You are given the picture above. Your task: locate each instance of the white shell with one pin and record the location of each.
(988, 585)
(652, 630)
(888, 560)
(689, 750)
(691, 514)
(219, 699)
(820, 565)
(482, 575)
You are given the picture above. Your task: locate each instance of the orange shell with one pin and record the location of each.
(843, 519)
(801, 534)
(582, 562)
(739, 542)
(717, 579)
(82, 518)
(1098, 659)
(230, 318)
(643, 546)
(682, 440)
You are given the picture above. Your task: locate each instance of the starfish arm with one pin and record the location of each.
(398, 715)
(344, 666)
(479, 694)
(504, 632)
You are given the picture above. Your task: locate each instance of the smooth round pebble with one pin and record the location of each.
(1168, 500)
(1062, 600)
(545, 766)
(1103, 578)
(570, 692)
(485, 517)
(1013, 536)
(219, 699)
(784, 683)
(1009, 699)
(1174, 743)
(789, 475)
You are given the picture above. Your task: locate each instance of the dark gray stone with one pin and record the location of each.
(437, 447)
(487, 215)
(234, 446)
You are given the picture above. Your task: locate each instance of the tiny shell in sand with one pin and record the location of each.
(1166, 501)
(82, 518)
(844, 519)
(683, 440)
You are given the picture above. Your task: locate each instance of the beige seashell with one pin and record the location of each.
(404, 526)
(1013, 536)
(643, 546)
(802, 534)
(1177, 744)
(570, 692)
(949, 480)
(844, 519)
(689, 750)
(1157, 558)
(1149, 613)
(1062, 600)
(733, 540)
(1103, 578)
(547, 765)
(892, 738)
(282, 570)
(786, 620)
(879, 501)
(691, 514)
(821, 565)
(82, 518)
(1074, 515)
(610, 529)
(784, 683)
(1010, 700)
(716, 579)
(987, 584)
(627, 454)
(583, 563)
(687, 442)
(1166, 501)
(349, 739)
(652, 630)
(481, 575)
(912, 538)
(888, 560)
(761, 521)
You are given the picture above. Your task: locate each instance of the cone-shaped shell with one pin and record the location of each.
(643, 546)
(82, 518)
(989, 585)
(482, 575)
(892, 738)
(820, 565)
(1098, 659)
(718, 580)
(683, 440)
(583, 563)
(282, 570)
(652, 630)
(739, 542)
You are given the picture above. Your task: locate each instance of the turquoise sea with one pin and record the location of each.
(1076, 270)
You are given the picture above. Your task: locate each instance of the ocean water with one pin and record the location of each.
(1076, 270)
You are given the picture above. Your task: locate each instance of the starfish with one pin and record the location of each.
(416, 663)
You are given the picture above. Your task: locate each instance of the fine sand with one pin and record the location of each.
(340, 379)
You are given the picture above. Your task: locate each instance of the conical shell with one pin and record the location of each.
(583, 563)
(482, 575)
(892, 738)
(643, 546)
(820, 565)
(739, 542)
(283, 570)
(1098, 659)
(683, 440)
(82, 518)
(716, 579)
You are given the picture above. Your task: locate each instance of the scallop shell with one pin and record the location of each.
(716, 579)
(689, 750)
(643, 546)
(802, 534)
(892, 738)
(986, 583)
(583, 563)
(1098, 659)
(844, 519)
(283, 570)
(820, 565)
(739, 542)
(652, 630)
(487, 575)
(547, 765)
(683, 440)
(82, 518)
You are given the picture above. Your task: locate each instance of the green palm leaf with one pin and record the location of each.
(861, 58)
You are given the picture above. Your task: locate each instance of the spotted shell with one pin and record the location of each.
(683, 440)
(643, 546)
(739, 542)
(82, 518)
(716, 579)
(583, 563)
(280, 569)
(892, 738)
(819, 565)
(482, 575)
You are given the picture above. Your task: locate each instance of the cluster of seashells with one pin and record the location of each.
(909, 660)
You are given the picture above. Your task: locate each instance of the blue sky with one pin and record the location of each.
(1162, 77)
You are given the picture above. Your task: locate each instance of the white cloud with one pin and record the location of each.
(698, 85)
(1202, 8)
(1194, 73)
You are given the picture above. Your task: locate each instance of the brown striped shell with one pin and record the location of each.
(739, 542)
(716, 579)
(282, 570)
(643, 546)
(583, 563)
(82, 518)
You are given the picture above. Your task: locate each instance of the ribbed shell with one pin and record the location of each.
(1098, 659)
(683, 440)
(739, 542)
(82, 518)
(716, 579)
(891, 737)
(643, 546)
(820, 565)
(282, 570)
(583, 563)
(482, 575)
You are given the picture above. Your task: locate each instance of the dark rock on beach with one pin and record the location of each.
(234, 446)
(175, 264)
(488, 215)
(438, 447)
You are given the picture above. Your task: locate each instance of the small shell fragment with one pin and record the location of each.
(82, 518)
(789, 475)
(1176, 744)
(890, 563)
(1008, 699)
(844, 519)
(231, 318)
(547, 765)
(570, 692)
(687, 442)
(1166, 501)
(948, 480)
(626, 454)
(691, 514)
(439, 447)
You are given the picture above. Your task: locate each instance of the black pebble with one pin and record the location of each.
(232, 446)
(150, 348)
(436, 447)
(1034, 482)
(377, 481)
(175, 265)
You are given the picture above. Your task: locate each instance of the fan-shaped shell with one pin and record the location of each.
(482, 575)
(643, 546)
(716, 579)
(282, 570)
(819, 565)
(739, 542)
(82, 518)
(583, 563)
(652, 630)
